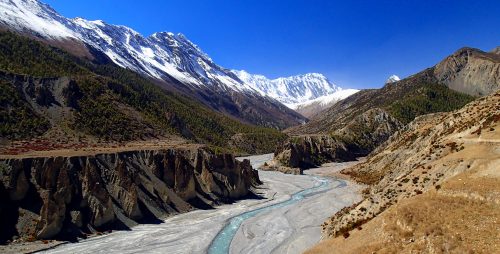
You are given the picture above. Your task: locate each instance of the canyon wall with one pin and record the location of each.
(69, 197)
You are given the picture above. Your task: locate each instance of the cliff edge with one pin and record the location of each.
(68, 197)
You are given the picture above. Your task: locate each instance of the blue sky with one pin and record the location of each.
(356, 44)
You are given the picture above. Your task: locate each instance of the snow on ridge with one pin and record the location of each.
(160, 54)
(41, 18)
(292, 90)
(392, 79)
(326, 99)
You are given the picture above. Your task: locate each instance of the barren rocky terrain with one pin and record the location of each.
(434, 188)
(69, 196)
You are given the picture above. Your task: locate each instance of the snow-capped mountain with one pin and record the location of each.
(392, 79)
(307, 94)
(156, 55)
(164, 56)
(291, 90)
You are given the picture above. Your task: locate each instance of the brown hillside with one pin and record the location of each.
(434, 188)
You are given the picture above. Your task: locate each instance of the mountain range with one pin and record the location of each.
(457, 79)
(173, 62)
(103, 128)
(357, 125)
(307, 94)
(55, 100)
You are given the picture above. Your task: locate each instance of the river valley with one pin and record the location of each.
(286, 219)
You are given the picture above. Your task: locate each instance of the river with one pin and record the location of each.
(286, 220)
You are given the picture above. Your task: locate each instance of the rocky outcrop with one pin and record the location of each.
(368, 130)
(470, 71)
(358, 138)
(496, 51)
(67, 197)
(275, 165)
(300, 153)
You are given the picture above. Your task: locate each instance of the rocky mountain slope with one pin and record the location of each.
(308, 94)
(416, 95)
(358, 138)
(368, 118)
(496, 51)
(436, 89)
(470, 71)
(172, 60)
(61, 100)
(68, 197)
(433, 188)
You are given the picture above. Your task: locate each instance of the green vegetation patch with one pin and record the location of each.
(16, 117)
(22, 55)
(429, 98)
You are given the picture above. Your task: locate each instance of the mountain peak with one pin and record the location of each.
(40, 18)
(314, 74)
(470, 71)
(311, 75)
(98, 22)
(392, 79)
(465, 49)
(163, 56)
(291, 90)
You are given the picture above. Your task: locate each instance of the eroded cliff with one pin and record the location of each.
(69, 197)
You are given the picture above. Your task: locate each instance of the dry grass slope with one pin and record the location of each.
(434, 188)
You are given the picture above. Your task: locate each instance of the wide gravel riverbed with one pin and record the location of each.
(281, 222)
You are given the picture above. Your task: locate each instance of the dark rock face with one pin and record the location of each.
(358, 138)
(65, 197)
(312, 151)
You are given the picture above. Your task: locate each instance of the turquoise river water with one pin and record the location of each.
(222, 242)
